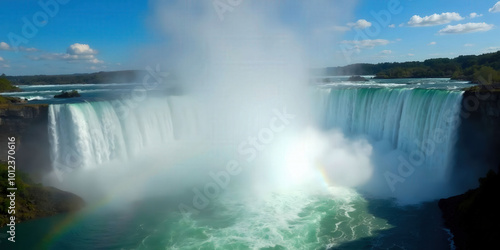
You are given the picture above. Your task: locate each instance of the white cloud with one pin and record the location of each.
(411, 54)
(74, 53)
(466, 28)
(468, 45)
(21, 48)
(474, 15)
(360, 24)
(1, 59)
(495, 8)
(95, 61)
(434, 19)
(4, 66)
(392, 26)
(432, 43)
(68, 57)
(369, 44)
(4, 46)
(80, 49)
(386, 52)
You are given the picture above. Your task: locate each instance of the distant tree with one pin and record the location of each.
(460, 68)
(486, 75)
(6, 86)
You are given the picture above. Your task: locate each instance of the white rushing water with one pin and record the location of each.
(413, 131)
(85, 135)
(252, 213)
(420, 124)
(411, 120)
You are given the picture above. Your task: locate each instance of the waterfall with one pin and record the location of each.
(83, 135)
(417, 124)
(410, 120)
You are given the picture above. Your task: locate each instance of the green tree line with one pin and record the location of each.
(126, 76)
(483, 68)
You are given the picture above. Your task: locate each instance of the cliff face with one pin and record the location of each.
(478, 141)
(483, 106)
(473, 217)
(28, 123)
(34, 200)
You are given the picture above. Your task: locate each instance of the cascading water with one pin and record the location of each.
(409, 119)
(85, 135)
(419, 124)
(88, 134)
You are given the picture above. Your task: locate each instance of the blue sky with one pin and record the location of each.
(414, 42)
(92, 35)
